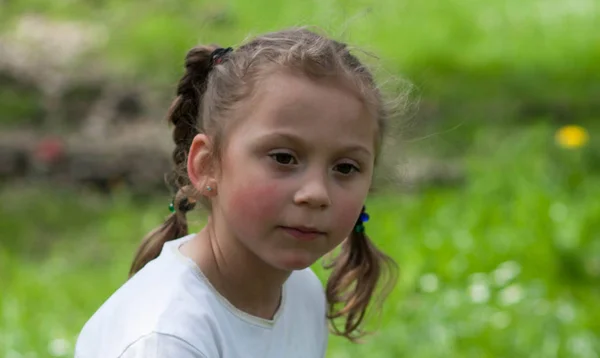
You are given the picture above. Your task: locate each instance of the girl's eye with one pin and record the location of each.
(283, 158)
(346, 168)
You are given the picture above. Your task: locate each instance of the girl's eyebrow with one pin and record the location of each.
(297, 140)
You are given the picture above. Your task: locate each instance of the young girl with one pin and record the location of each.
(278, 139)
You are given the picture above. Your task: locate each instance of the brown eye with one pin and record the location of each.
(346, 168)
(283, 158)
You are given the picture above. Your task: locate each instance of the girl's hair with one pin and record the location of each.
(210, 91)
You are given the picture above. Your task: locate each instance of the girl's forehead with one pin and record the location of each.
(289, 98)
(309, 108)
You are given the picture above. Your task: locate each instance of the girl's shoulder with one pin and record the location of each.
(170, 300)
(166, 297)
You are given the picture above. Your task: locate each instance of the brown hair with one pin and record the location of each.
(209, 91)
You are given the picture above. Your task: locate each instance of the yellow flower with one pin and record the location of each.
(572, 137)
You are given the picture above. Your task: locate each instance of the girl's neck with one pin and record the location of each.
(235, 272)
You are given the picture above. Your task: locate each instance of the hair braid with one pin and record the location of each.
(184, 115)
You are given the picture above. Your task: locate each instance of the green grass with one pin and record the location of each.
(466, 33)
(506, 265)
(504, 53)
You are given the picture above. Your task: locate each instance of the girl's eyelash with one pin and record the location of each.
(287, 159)
(353, 167)
(278, 155)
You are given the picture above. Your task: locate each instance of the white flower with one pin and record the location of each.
(511, 295)
(479, 292)
(59, 347)
(565, 312)
(429, 283)
(478, 277)
(582, 345)
(506, 272)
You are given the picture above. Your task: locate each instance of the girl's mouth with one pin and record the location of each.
(302, 233)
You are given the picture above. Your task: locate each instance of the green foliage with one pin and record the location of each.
(535, 52)
(19, 103)
(506, 265)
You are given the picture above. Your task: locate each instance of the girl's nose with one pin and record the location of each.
(313, 192)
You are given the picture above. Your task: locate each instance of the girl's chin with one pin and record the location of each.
(295, 261)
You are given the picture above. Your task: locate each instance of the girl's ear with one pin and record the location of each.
(200, 166)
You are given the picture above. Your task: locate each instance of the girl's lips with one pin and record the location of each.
(302, 233)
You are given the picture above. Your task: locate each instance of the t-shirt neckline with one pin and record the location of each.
(244, 316)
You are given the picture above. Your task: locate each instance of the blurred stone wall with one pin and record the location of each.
(66, 118)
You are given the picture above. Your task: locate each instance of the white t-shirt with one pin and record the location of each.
(169, 309)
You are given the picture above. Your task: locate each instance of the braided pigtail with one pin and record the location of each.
(185, 116)
(356, 275)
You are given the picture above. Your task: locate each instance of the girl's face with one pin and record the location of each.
(296, 170)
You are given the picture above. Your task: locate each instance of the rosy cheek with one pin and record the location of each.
(256, 201)
(251, 197)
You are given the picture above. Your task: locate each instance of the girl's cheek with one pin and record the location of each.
(256, 201)
(252, 196)
(347, 213)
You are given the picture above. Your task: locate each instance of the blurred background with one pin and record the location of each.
(488, 196)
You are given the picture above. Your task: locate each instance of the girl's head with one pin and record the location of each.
(279, 139)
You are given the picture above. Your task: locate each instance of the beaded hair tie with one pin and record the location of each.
(359, 227)
(218, 55)
(185, 205)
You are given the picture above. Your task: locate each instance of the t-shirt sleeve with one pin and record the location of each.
(160, 345)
